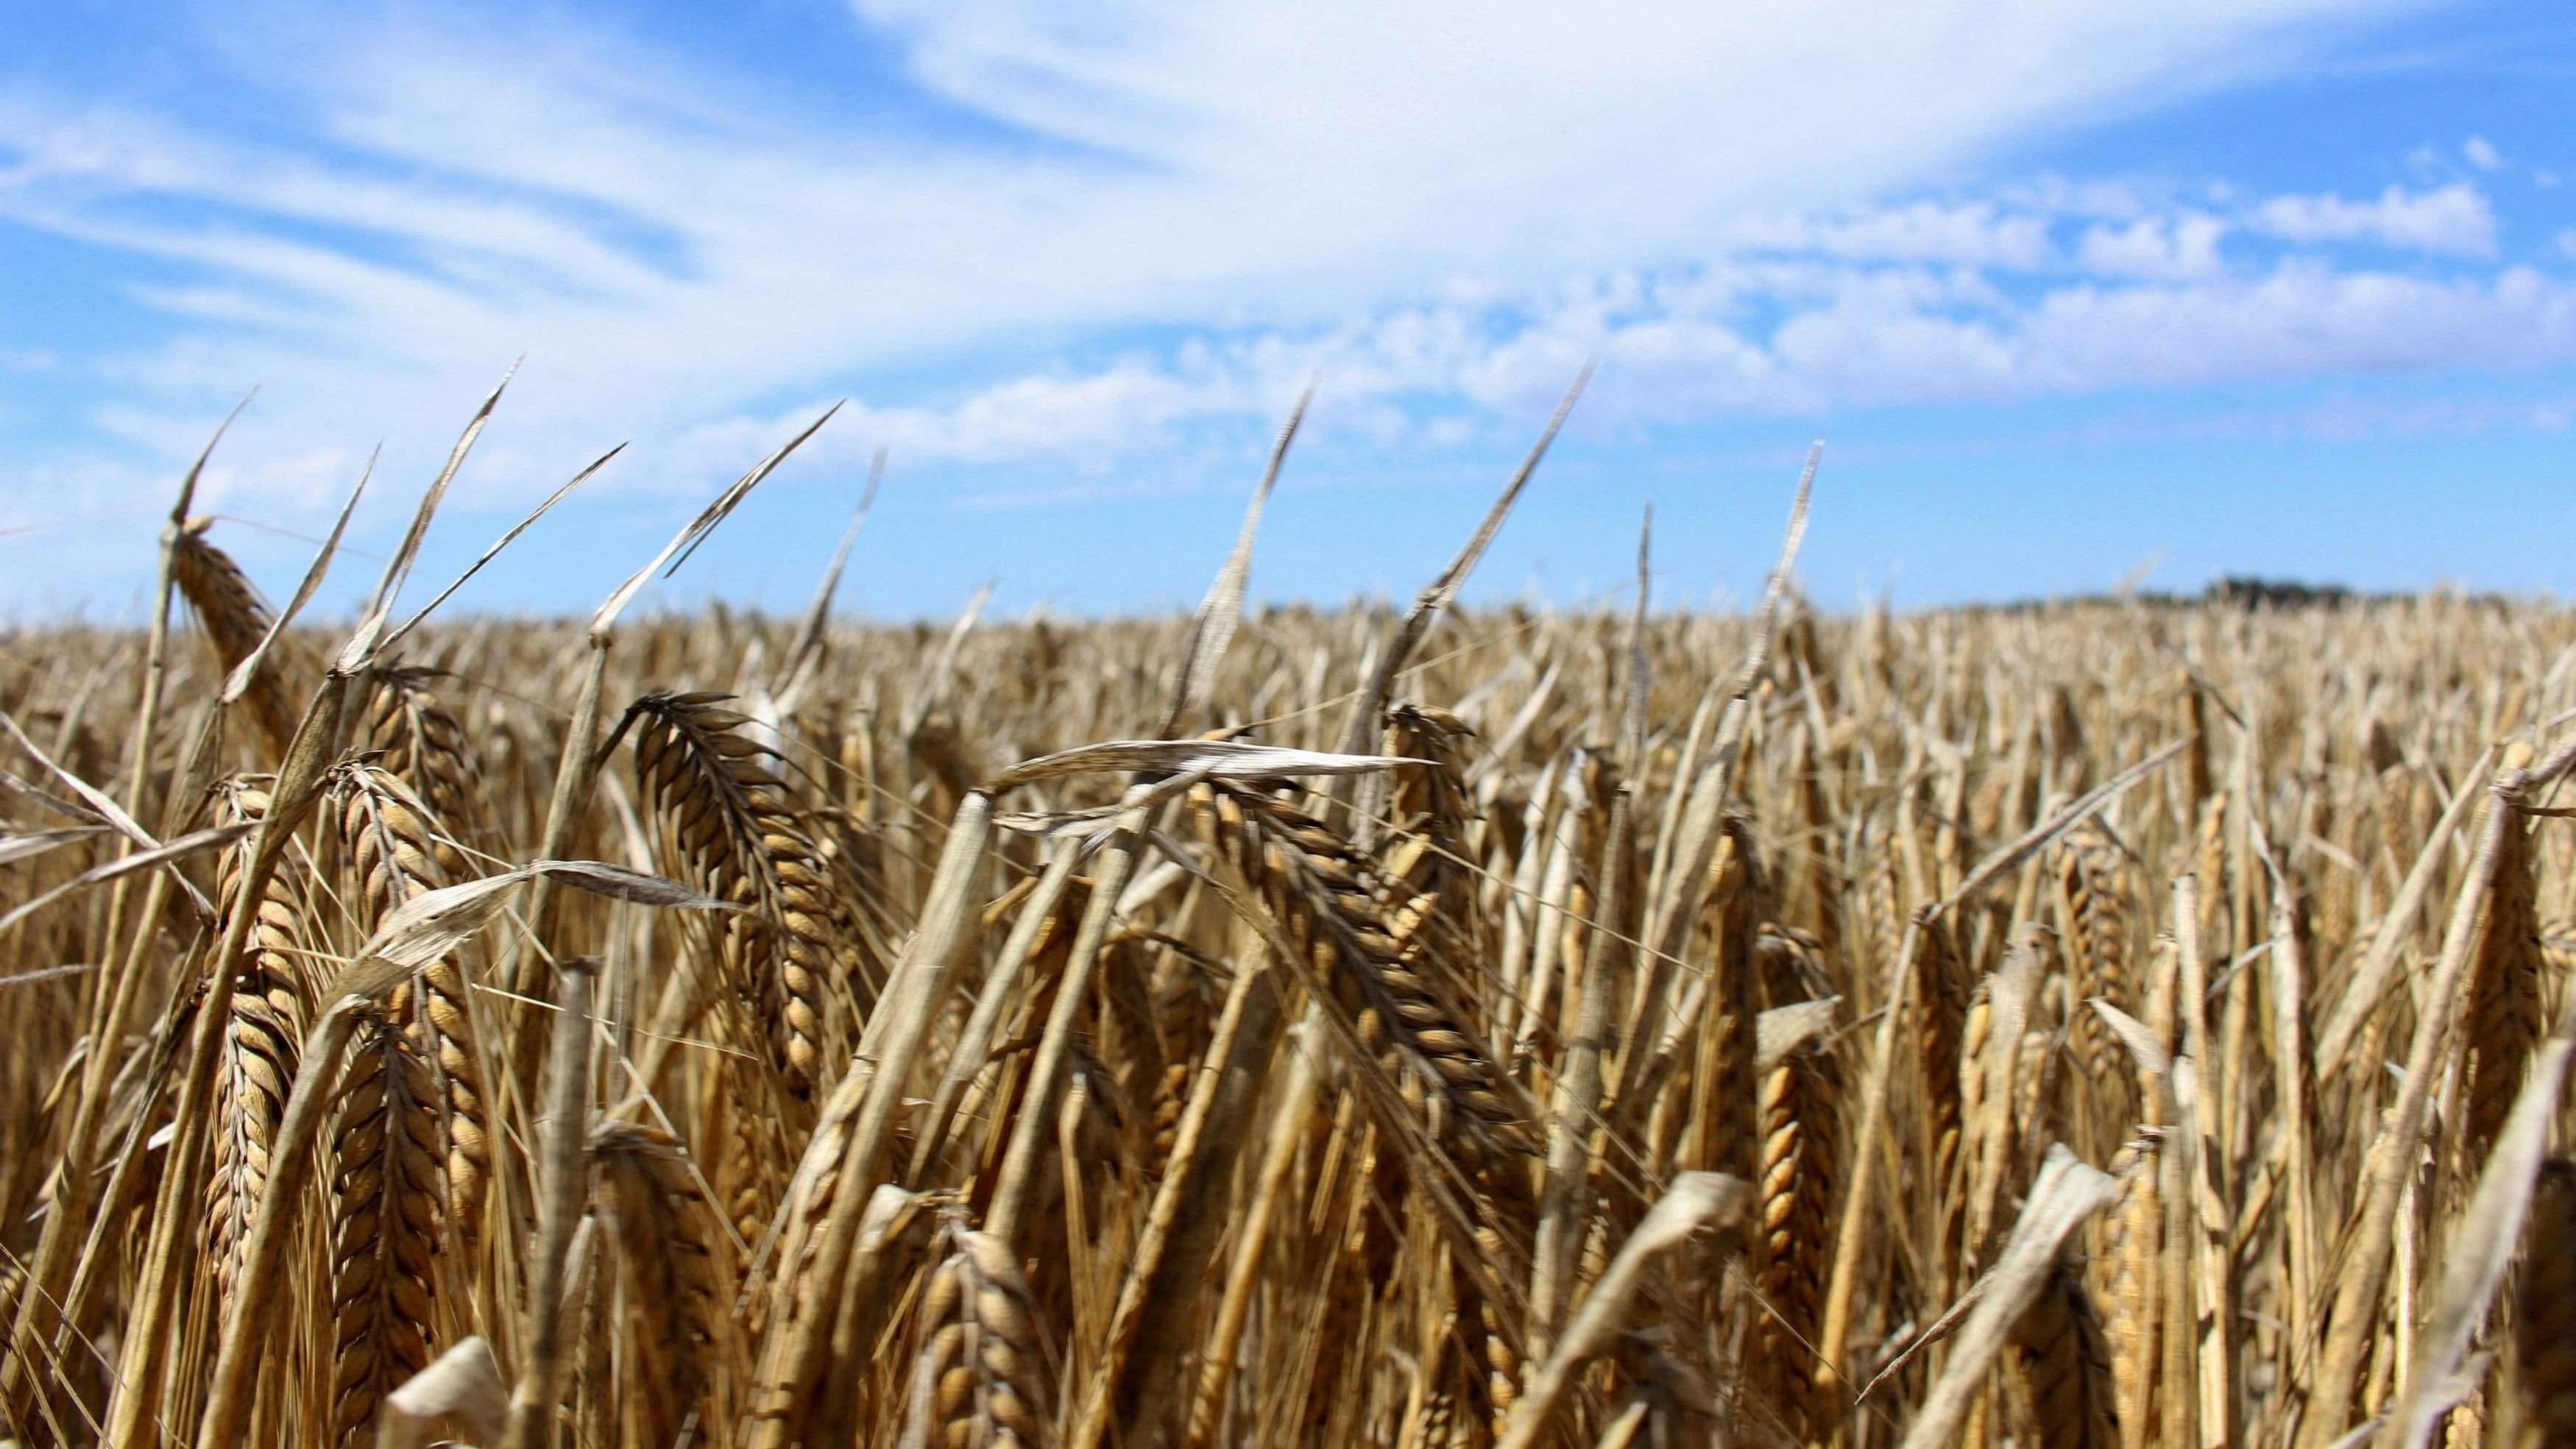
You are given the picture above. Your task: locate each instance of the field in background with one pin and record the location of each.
(1538, 1086)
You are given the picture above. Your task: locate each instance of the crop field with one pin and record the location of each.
(2117, 1022)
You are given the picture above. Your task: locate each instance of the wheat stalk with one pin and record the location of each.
(1257, 1115)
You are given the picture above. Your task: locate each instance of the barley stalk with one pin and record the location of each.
(1152, 1091)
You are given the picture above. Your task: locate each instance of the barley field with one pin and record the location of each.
(2120, 1022)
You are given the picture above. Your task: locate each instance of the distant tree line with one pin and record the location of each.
(2252, 592)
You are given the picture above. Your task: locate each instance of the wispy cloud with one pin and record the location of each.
(1166, 217)
(2151, 303)
(2457, 219)
(2183, 247)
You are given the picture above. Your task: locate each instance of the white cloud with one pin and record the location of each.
(2480, 152)
(2164, 248)
(1977, 233)
(1893, 343)
(1644, 123)
(2456, 219)
(1700, 194)
(1683, 348)
(2299, 320)
(2347, 417)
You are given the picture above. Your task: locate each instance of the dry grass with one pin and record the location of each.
(1676, 1029)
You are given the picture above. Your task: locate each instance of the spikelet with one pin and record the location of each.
(1422, 860)
(954, 763)
(1327, 893)
(2039, 1108)
(2210, 860)
(786, 1295)
(398, 844)
(1725, 1082)
(738, 837)
(2062, 724)
(1390, 982)
(1370, 1239)
(2098, 935)
(400, 849)
(2379, 748)
(678, 1291)
(235, 620)
(2558, 947)
(1794, 1225)
(2197, 781)
(2058, 1347)
(743, 1148)
(1486, 1349)
(1430, 804)
(2405, 813)
(2126, 1268)
(1171, 1098)
(2465, 1427)
(1948, 1051)
(1955, 1190)
(976, 1384)
(260, 1051)
(2545, 1312)
(2503, 1021)
(1881, 916)
(13, 1283)
(384, 1222)
(1940, 1007)
(1794, 966)
(1177, 997)
(1813, 894)
(421, 744)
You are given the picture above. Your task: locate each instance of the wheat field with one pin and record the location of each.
(2118, 1022)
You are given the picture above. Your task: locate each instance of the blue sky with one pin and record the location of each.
(2276, 286)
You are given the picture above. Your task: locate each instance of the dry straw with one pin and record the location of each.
(2103, 1022)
